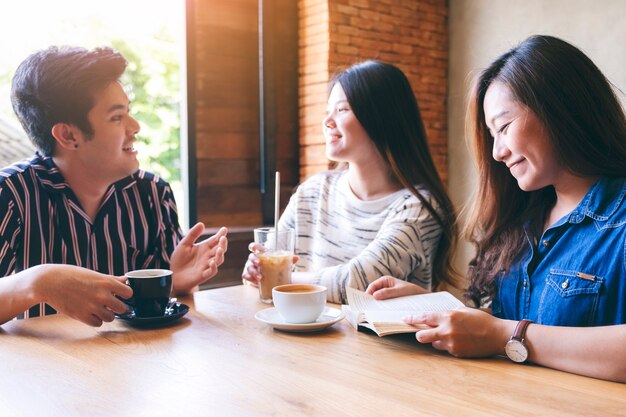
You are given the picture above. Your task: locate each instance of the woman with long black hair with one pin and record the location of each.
(384, 211)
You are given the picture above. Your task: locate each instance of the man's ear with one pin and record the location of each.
(66, 135)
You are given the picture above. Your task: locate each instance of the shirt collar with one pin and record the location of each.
(601, 201)
(48, 173)
(51, 179)
(128, 181)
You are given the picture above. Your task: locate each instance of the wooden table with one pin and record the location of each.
(220, 361)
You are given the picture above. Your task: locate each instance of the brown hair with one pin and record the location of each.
(585, 123)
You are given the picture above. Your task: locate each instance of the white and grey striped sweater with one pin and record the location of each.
(348, 242)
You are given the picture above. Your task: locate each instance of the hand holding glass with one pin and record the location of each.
(275, 255)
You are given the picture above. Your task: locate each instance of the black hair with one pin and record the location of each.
(58, 85)
(381, 97)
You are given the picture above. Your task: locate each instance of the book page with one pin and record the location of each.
(401, 306)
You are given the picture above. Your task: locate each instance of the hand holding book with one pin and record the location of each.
(384, 317)
(387, 287)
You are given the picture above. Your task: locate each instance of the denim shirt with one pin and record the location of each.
(579, 277)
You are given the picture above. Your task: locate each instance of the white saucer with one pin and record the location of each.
(271, 316)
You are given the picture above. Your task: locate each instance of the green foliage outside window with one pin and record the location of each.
(153, 81)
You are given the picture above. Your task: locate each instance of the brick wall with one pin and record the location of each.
(314, 48)
(412, 34)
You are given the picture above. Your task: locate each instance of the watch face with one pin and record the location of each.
(516, 351)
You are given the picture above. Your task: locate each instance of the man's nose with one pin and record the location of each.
(134, 126)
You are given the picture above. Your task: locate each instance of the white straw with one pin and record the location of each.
(276, 209)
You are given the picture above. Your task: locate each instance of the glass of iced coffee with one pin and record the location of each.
(275, 254)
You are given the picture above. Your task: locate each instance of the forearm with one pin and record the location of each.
(18, 292)
(468, 332)
(592, 351)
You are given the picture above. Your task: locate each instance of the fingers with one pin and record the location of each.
(193, 234)
(209, 250)
(253, 265)
(119, 288)
(211, 271)
(433, 334)
(424, 336)
(253, 259)
(117, 306)
(223, 243)
(213, 265)
(389, 287)
(222, 232)
(256, 248)
(378, 284)
(105, 315)
(386, 293)
(252, 274)
(439, 345)
(109, 303)
(106, 304)
(218, 259)
(92, 320)
(427, 336)
(251, 271)
(431, 319)
(218, 238)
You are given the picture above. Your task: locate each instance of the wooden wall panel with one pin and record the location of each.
(225, 106)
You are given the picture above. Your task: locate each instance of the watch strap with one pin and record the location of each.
(520, 330)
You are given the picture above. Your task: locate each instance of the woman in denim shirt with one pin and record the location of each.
(549, 218)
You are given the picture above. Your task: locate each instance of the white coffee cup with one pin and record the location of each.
(299, 303)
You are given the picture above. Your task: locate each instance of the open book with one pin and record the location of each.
(384, 317)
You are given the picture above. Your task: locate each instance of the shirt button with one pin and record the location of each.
(524, 283)
(545, 243)
(565, 284)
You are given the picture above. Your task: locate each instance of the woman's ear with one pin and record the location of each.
(66, 135)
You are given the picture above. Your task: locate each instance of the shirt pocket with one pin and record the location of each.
(570, 298)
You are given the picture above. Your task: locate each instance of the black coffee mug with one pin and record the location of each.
(151, 291)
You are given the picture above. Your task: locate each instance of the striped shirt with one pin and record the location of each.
(348, 242)
(41, 221)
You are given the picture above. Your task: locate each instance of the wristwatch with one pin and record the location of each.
(515, 348)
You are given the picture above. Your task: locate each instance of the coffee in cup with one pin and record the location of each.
(299, 303)
(275, 259)
(151, 291)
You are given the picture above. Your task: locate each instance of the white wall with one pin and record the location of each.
(481, 30)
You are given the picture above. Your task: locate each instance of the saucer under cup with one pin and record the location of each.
(272, 317)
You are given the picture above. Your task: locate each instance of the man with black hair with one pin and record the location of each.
(81, 213)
